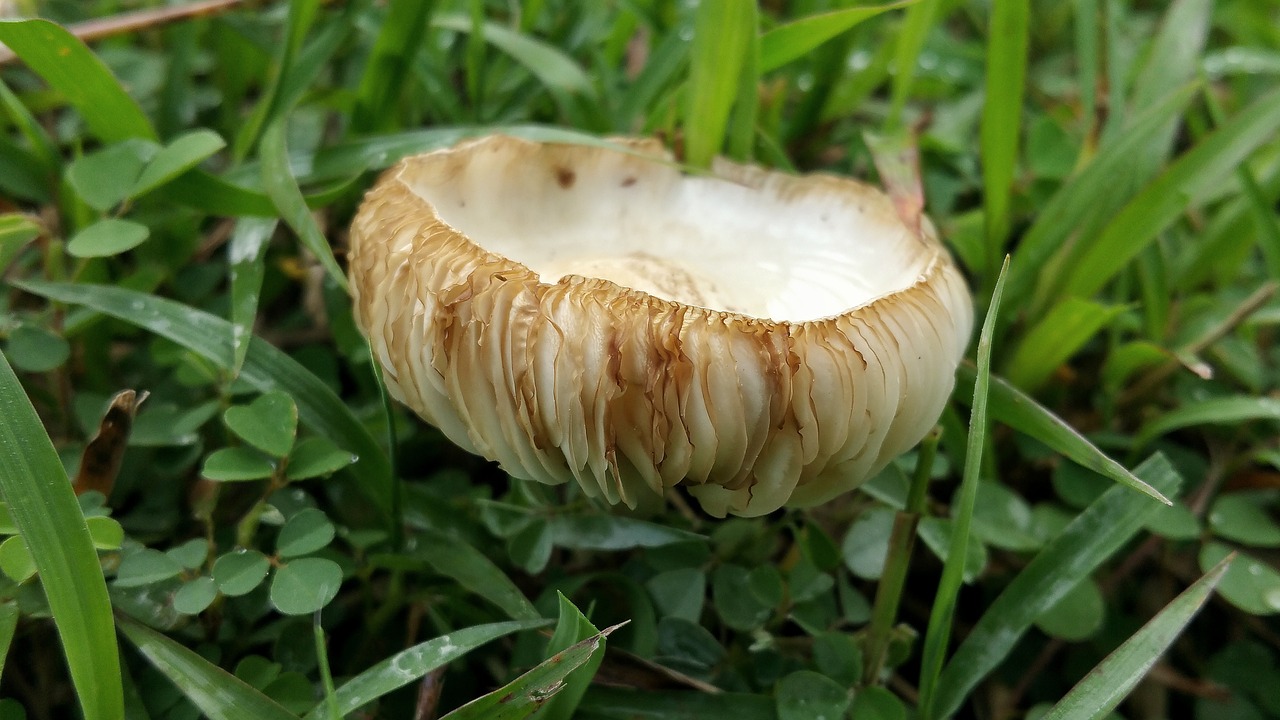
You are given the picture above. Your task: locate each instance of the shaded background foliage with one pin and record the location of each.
(176, 191)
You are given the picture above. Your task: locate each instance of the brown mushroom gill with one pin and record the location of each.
(580, 313)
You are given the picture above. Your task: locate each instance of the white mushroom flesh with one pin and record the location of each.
(580, 313)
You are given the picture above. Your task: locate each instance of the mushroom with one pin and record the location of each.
(591, 313)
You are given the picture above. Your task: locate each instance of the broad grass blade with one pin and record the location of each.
(1021, 412)
(938, 634)
(471, 569)
(1232, 411)
(1053, 340)
(386, 70)
(722, 31)
(1093, 537)
(1112, 680)
(798, 38)
(1199, 171)
(248, 248)
(45, 511)
(217, 693)
(8, 624)
(409, 665)
(572, 627)
(549, 64)
(71, 68)
(523, 696)
(920, 19)
(265, 368)
(1002, 119)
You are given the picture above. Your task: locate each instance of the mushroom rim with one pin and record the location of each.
(651, 150)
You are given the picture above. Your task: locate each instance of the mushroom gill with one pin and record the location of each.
(589, 314)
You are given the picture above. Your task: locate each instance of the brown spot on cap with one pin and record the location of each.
(565, 177)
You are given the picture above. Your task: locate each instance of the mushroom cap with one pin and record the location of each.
(593, 314)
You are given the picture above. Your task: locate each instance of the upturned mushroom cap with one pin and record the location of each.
(580, 313)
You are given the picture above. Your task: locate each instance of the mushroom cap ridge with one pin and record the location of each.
(622, 390)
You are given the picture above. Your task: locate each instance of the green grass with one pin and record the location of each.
(173, 205)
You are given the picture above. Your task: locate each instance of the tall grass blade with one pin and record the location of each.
(938, 634)
(1111, 681)
(549, 64)
(1053, 340)
(45, 511)
(1230, 411)
(302, 13)
(248, 248)
(217, 693)
(1199, 171)
(1007, 44)
(8, 624)
(1087, 58)
(723, 30)
(387, 69)
(71, 68)
(920, 19)
(265, 368)
(1090, 540)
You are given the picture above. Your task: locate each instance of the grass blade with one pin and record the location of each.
(265, 368)
(573, 627)
(1111, 681)
(71, 68)
(283, 190)
(408, 665)
(1007, 44)
(548, 63)
(470, 568)
(45, 511)
(1021, 412)
(387, 68)
(1057, 337)
(1093, 537)
(248, 248)
(8, 624)
(722, 31)
(920, 19)
(1214, 411)
(217, 693)
(1199, 171)
(944, 605)
(302, 13)
(524, 695)
(620, 704)
(798, 38)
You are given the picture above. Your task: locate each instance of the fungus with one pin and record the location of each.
(581, 313)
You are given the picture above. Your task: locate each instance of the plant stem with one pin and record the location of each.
(897, 560)
(326, 677)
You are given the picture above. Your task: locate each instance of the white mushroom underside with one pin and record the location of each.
(585, 315)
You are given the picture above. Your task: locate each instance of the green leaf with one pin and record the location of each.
(217, 693)
(1229, 411)
(104, 178)
(180, 155)
(470, 568)
(305, 532)
(1019, 411)
(382, 82)
(409, 665)
(32, 348)
(16, 560)
(146, 567)
(190, 554)
(107, 237)
(237, 464)
(938, 635)
(239, 572)
(1001, 130)
(246, 254)
(798, 38)
(524, 695)
(316, 456)
(937, 536)
(305, 585)
(16, 230)
(1077, 615)
(679, 593)
(266, 369)
(268, 423)
(611, 532)
(620, 704)
(8, 624)
(734, 601)
(283, 190)
(1244, 518)
(1112, 680)
(1058, 336)
(806, 695)
(106, 532)
(1197, 172)
(877, 703)
(1251, 584)
(1003, 519)
(70, 68)
(196, 596)
(1095, 535)
(572, 627)
(548, 63)
(35, 486)
(723, 30)
(866, 543)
